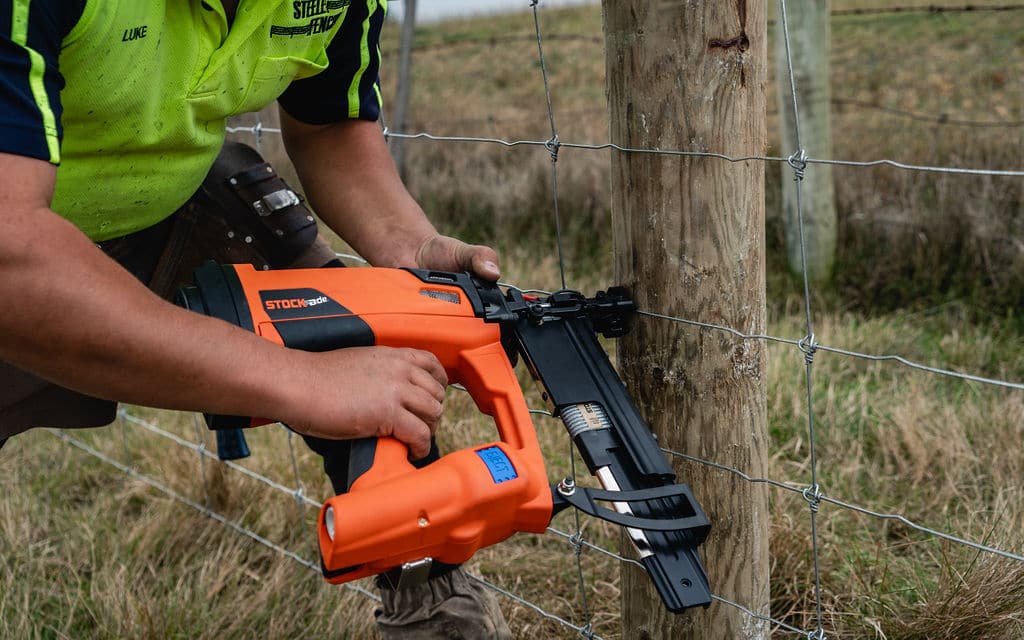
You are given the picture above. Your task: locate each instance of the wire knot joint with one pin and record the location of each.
(576, 540)
(813, 495)
(553, 145)
(809, 346)
(798, 162)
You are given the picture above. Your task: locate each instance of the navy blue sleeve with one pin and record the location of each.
(349, 88)
(31, 32)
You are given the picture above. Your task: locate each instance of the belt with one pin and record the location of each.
(412, 574)
(139, 252)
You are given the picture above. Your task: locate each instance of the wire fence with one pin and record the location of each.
(809, 488)
(494, 41)
(844, 105)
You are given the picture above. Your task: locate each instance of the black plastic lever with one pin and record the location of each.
(586, 499)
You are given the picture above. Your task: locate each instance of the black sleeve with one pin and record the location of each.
(30, 81)
(349, 88)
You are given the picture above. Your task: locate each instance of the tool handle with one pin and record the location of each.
(445, 511)
(451, 508)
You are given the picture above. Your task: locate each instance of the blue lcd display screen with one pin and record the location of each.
(498, 464)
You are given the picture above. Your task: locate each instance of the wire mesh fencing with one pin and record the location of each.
(807, 346)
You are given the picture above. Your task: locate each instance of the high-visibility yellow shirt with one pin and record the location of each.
(131, 98)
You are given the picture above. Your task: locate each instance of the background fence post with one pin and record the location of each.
(810, 45)
(404, 88)
(689, 241)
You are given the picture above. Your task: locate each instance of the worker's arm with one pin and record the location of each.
(351, 182)
(72, 315)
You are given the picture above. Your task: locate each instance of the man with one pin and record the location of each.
(112, 113)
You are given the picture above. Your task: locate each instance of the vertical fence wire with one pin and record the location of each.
(552, 144)
(552, 147)
(200, 448)
(299, 491)
(798, 163)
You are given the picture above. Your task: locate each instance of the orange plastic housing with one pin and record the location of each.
(448, 510)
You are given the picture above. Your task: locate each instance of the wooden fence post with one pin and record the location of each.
(810, 40)
(404, 88)
(689, 241)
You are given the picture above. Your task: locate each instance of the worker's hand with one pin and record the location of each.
(442, 253)
(373, 391)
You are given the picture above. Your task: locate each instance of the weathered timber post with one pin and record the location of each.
(404, 89)
(810, 44)
(689, 241)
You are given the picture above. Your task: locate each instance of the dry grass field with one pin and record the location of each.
(931, 268)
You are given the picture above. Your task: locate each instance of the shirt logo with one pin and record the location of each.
(322, 14)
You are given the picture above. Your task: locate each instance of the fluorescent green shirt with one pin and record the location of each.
(149, 84)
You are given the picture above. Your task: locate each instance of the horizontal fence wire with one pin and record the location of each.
(848, 106)
(704, 154)
(203, 451)
(209, 513)
(931, 8)
(573, 539)
(807, 493)
(496, 40)
(276, 486)
(546, 144)
(809, 346)
(941, 119)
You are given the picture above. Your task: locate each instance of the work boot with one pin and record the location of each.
(448, 607)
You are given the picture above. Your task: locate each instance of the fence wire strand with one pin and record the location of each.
(805, 490)
(1011, 173)
(797, 161)
(495, 40)
(572, 538)
(206, 453)
(845, 352)
(552, 146)
(213, 515)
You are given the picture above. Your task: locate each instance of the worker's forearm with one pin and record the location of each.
(351, 181)
(75, 317)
